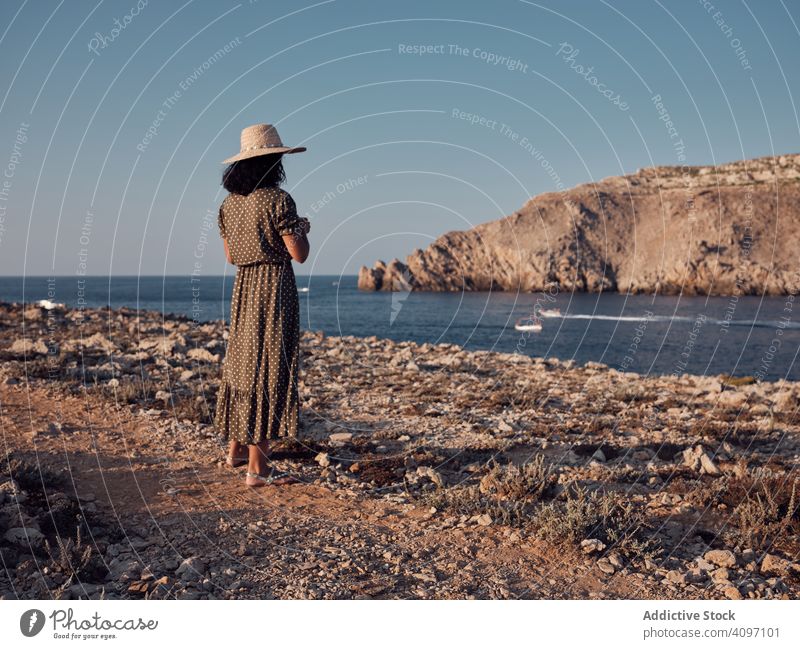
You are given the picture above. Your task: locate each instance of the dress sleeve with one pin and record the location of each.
(220, 222)
(286, 218)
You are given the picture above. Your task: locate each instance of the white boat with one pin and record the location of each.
(50, 305)
(303, 289)
(550, 313)
(528, 324)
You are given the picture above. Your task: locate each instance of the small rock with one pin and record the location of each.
(138, 589)
(191, 567)
(708, 466)
(676, 577)
(695, 576)
(606, 567)
(504, 427)
(200, 354)
(721, 574)
(722, 558)
(484, 520)
(323, 460)
(731, 592)
(592, 545)
(341, 438)
(772, 563)
(599, 455)
(23, 536)
(412, 366)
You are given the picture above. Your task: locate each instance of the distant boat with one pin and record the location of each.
(303, 289)
(528, 324)
(50, 305)
(334, 283)
(550, 313)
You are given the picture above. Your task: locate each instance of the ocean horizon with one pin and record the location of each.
(744, 336)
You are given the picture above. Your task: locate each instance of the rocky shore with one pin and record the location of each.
(724, 230)
(425, 471)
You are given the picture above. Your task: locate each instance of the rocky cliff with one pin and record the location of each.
(724, 230)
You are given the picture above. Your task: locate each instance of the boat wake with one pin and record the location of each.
(773, 324)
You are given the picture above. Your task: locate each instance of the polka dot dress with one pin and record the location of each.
(257, 398)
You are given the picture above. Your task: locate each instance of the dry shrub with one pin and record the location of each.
(507, 493)
(766, 509)
(76, 560)
(596, 515)
(530, 481)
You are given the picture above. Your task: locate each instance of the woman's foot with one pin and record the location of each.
(258, 458)
(237, 454)
(272, 478)
(259, 471)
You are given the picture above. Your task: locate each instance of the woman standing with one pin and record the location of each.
(257, 400)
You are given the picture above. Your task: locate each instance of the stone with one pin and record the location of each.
(27, 346)
(24, 536)
(323, 460)
(341, 438)
(590, 546)
(676, 577)
(784, 401)
(606, 566)
(708, 466)
(695, 576)
(731, 592)
(773, 564)
(721, 574)
(484, 520)
(722, 558)
(432, 474)
(200, 354)
(191, 568)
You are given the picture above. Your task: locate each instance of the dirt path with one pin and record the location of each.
(161, 485)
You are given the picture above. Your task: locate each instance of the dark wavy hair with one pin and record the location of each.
(247, 175)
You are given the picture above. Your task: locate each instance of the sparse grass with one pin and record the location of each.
(78, 562)
(599, 515)
(766, 509)
(507, 493)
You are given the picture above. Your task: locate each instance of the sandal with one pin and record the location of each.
(274, 478)
(236, 461)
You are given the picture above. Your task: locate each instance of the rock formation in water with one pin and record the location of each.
(726, 230)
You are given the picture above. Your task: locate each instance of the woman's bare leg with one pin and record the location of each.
(258, 458)
(237, 449)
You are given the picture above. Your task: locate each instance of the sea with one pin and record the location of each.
(645, 334)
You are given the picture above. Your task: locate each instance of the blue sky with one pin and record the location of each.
(419, 117)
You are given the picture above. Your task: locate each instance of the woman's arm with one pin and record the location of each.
(227, 252)
(297, 245)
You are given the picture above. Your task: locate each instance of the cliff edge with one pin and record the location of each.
(725, 230)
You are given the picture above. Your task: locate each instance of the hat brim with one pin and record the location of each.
(257, 152)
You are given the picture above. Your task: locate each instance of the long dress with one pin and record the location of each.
(258, 397)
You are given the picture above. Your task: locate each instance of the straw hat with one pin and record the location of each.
(261, 139)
